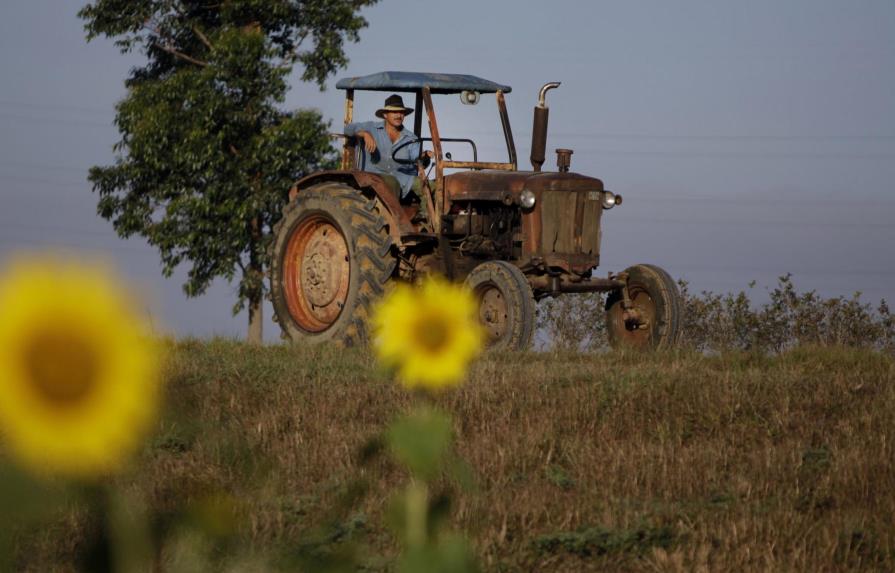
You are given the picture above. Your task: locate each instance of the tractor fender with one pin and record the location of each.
(369, 184)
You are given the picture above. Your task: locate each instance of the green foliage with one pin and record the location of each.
(574, 321)
(420, 441)
(558, 476)
(206, 156)
(788, 320)
(450, 554)
(600, 541)
(720, 322)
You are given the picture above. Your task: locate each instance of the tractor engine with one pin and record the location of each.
(484, 230)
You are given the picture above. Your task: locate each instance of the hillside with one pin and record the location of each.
(607, 461)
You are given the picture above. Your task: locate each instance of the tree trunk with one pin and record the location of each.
(255, 321)
(256, 294)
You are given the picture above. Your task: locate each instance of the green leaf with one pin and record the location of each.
(420, 441)
(207, 155)
(451, 554)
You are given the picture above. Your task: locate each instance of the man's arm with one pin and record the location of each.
(362, 131)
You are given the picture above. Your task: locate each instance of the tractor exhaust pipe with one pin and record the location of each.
(539, 127)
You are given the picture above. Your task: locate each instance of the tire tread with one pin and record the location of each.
(371, 248)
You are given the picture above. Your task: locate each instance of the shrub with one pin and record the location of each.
(574, 321)
(717, 322)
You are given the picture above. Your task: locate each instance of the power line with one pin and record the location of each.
(9, 244)
(799, 199)
(731, 137)
(56, 106)
(752, 154)
(525, 135)
(56, 120)
(632, 195)
(795, 272)
(109, 232)
(30, 165)
(572, 134)
(30, 179)
(762, 222)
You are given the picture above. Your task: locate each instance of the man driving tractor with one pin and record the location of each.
(380, 139)
(512, 235)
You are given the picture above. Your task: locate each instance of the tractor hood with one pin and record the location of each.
(505, 186)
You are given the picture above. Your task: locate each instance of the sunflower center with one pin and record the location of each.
(432, 333)
(62, 367)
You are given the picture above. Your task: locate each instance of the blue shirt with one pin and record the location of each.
(380, 161)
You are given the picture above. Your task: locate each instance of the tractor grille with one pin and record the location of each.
(570, 222)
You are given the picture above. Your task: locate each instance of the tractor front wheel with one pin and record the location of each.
(653, 316)
(506, 305)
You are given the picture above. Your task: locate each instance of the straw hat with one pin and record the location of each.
(393, 103)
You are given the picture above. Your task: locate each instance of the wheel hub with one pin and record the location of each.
(317, 272)
(636, 321)
(493, 313)
(321, 264)
(647, 312)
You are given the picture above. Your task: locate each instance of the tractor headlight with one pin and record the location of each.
(610, 199)
(527, 199)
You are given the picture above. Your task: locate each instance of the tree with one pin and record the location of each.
(206, 157)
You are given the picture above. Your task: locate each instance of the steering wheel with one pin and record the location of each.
(424, 159)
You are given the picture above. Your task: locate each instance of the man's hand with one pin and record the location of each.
(426, 157)
(369, 142)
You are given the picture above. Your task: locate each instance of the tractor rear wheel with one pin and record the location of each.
(330, 261)
(506, 305)
(654, 318)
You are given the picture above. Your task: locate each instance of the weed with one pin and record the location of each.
(600, 541)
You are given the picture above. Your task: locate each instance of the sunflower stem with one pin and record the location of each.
(417, 510)
(128, 531)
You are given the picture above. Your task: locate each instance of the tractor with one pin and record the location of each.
(513, 236)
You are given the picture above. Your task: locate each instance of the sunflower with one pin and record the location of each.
(79, 382)
(428, 335)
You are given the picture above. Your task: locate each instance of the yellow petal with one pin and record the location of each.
(80, 406)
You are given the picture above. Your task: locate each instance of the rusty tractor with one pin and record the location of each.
(513, 236)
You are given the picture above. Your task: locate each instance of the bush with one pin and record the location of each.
(718, 322)
(574, 321)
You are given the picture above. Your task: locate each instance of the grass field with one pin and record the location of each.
(579, 462)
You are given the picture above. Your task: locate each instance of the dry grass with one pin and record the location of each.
(670, 462)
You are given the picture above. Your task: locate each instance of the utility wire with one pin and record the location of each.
(68, 121)
(11, 243)
(55, 106)
(522, 135)
(754, 222)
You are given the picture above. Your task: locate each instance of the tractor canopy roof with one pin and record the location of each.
(416, 81)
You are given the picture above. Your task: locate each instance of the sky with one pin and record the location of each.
(748, 139)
